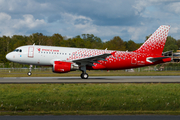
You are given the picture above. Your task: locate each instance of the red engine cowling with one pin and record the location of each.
(61, 67)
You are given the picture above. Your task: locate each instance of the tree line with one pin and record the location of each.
(8, 44)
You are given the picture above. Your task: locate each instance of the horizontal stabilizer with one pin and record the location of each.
(156, 59)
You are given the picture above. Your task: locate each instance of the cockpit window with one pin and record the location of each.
(17, 50)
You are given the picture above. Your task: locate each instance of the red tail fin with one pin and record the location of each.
(155, 43)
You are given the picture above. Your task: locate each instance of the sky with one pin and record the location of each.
(129, 19)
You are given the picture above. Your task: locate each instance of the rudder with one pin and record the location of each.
(155, 43)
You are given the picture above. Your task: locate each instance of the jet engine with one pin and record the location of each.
(63, 67)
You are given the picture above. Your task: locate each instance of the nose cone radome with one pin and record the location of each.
(9, 56)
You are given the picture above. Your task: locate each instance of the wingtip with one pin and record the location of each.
(113, 53)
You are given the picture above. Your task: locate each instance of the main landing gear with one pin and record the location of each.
(84, 75)
(29, 73)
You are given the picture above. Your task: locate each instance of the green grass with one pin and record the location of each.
(31, 99)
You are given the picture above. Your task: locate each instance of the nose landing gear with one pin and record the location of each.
(29, 73)
(30, 68)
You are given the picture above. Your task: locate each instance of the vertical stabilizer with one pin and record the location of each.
(155, 43)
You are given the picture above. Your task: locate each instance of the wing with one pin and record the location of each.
(94, 59)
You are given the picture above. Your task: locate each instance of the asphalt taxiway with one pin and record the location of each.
(93, 79)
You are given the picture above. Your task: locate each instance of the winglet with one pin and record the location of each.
(113, 53)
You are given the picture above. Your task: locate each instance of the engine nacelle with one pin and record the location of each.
(63, 67)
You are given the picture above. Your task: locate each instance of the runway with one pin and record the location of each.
(93, 79)
(93, 117)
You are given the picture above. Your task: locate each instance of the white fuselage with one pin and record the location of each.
(46, 55)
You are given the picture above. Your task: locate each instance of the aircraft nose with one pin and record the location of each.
(8, 56)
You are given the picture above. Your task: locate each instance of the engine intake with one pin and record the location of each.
(63, 67)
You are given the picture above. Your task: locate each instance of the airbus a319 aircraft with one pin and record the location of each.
(66, 59)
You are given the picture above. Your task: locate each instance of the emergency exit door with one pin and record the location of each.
(134, 59)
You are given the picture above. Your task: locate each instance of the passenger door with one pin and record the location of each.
(31, 52)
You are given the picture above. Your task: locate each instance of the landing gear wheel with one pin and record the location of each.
(29, 73)
(84, 76)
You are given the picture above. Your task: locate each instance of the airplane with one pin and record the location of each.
(66, 59)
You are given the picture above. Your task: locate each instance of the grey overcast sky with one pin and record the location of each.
(129, 19)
